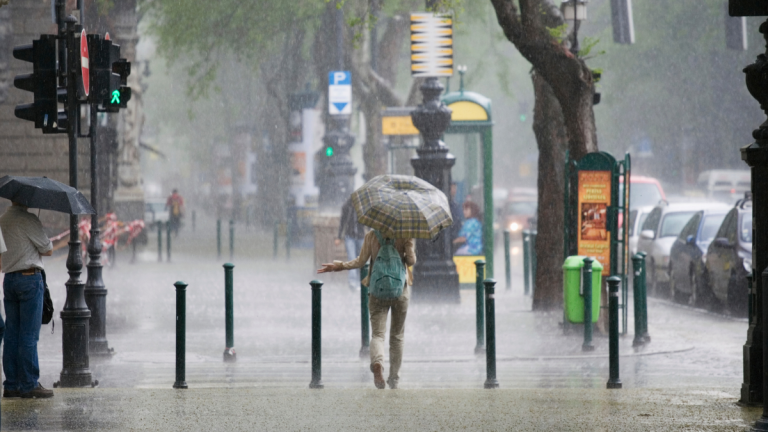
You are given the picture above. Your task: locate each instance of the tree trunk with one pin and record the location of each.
(551, 137)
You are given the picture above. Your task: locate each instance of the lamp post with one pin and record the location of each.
(75, 315)
(95, 293)
(435, 273)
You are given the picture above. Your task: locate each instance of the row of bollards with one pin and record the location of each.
(529, 261)
(287, 240)
(231, 238)
(160, 241)
(640, 297)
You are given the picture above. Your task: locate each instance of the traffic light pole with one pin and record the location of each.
(95, 291)
(75, 315)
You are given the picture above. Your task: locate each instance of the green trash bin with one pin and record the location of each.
(572, 289)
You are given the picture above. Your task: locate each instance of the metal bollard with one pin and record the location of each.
(507, 261)
(637, 291)
(532, 246)
(274, 241)
(365, 323)
(587, 286)
(480, 307)
(317, 372)
(218, 238)
(287, 240)
(490, 335)
(159, 242)
(644, 299)
(229, 314)
(231, 239)
(613, 333)
(526, 262)
(194, 220)
(168, 241)
(181, 337)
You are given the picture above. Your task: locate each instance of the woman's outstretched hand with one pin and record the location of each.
(327, 268)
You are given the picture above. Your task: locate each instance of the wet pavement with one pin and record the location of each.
(687, 378)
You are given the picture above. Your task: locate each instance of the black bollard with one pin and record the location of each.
(587, 287)
(181, 337)
(637, 292)
(507, 261)
(526, 262)
(317, 371)
(613, 332)
(644, 299)
(490, 335)
(534, 264)
(229, 314)
(168, 241)
(480, 306)
(159, 242)
(231, 239)
(365, 323)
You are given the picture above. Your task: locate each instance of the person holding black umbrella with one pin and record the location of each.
(23, 289)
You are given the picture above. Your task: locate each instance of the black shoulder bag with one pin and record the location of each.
(47, 304)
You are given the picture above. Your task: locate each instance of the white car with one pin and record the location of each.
(658, 233)
(636, 218)
(155, 211)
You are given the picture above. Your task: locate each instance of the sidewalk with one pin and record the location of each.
(689, 373)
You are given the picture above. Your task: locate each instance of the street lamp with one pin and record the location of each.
(576, 11)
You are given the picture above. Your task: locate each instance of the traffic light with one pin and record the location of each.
(329, 151)
(109, 74)
(44, 111)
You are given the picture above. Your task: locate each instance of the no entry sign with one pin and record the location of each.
(84, 63)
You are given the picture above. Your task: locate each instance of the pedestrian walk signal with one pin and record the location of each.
(329, 151)
(431, 45)
(119, 99)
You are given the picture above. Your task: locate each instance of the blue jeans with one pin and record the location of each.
(354, 246)
(23, 315)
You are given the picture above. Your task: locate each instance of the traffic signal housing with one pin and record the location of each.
(44, 111)
(109, 74)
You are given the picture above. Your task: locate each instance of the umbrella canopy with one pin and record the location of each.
(44, 193)
(402, 207)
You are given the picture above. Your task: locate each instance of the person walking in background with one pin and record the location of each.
(352, 233)
(471, 233)
(379, 307)
(175, 207)
(23, 288)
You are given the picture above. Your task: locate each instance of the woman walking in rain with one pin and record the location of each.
(399, 209)
(380, 307)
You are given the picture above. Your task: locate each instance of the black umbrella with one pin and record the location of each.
(44, 193)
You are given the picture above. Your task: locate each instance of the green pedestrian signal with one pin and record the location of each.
(523, 117)
(115, 97)
(329, 151)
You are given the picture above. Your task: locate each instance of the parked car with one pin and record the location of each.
(519, 209)
(659, 231)
(636, 218)
(154, 212)
(727, 186)
(688, 255)
(643, 191)
(729, 259)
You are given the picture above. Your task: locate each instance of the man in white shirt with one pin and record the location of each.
(23, 288)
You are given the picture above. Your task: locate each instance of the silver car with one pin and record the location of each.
(658, 234)
(636, 218)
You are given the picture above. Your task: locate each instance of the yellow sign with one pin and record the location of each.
(594, 239)
(467, 111)
(398, 125)
(465, 266)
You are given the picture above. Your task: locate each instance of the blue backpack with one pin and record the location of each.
(388, 275)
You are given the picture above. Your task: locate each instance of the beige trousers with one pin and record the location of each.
(379, 309)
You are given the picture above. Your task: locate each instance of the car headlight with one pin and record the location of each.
(747, 265)
(514, 227)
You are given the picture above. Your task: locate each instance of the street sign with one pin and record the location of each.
(339, 93)
(84, 63)
(431, 45)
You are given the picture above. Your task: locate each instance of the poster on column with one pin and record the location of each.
(594, 239)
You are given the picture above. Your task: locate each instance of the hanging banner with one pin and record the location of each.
(431, 45)
(594, 239)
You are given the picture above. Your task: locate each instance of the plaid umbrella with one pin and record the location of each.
(402, 207)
